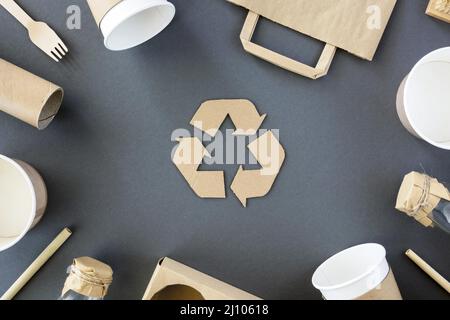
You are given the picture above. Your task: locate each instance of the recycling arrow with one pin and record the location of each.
(270, 154)
(187, 157)
(211, 114)
(266, 149)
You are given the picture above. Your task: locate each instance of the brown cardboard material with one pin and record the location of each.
(172, 280)
(356, 26)
(100, 7)
(401, 111)
(270, 154)
(187, 158)
(419, 194)
(89, 277)
(39, 188)
(439, 9)
(28, 97)
(211, 114)
(247, 183)
(320, 70)
(386, 290)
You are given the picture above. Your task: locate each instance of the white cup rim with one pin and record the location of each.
(33, 201)
(429, 58)
(121, 16)
(353, 280)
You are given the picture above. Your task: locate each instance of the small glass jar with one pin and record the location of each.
(441, 215)
(88, 279)
(425, 199)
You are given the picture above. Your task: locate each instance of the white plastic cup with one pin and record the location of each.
(422, 99)
(353, 273)
(23, 199)
(129, 23)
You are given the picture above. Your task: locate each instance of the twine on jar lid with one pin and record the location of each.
(88, 277)
(418, 196)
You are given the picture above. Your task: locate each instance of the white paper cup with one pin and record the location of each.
(354, 272)
(23, 199)
(422, 102)
(128, 23)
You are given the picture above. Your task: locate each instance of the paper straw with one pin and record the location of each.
(428, 270)
(37, 264)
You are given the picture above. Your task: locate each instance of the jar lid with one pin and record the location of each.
(418, 196)
(88, 277)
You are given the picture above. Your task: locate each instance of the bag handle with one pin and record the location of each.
(284, 62)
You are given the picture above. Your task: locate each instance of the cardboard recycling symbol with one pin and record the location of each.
(266, 149)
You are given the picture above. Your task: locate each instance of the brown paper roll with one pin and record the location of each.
(28, 97)
(100, 7)
(386, 290)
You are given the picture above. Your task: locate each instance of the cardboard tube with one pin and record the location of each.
(28, 97)
(37, 264)
(428, 270)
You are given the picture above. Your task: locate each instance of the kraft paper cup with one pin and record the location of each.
(128, 23)
(28, 97)
(358, 273)
(23, 199)
(422, 102)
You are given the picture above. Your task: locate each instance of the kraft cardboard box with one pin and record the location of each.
(439, 9)
(172, 280)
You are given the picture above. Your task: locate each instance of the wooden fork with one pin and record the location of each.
(39, 32)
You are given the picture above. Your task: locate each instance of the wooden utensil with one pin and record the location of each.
(39, 32)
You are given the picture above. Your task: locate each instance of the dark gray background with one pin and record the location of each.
(106, 157)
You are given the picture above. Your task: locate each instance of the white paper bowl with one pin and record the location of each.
(352, 273)
(131, 23)
(28, 189)
(422, 103)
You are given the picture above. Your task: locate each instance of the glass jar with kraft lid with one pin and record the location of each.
(425, 199)
(88, 279)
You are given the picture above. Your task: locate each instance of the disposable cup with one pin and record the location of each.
(358, 273)
(23, 199)
(128, 23)
(422, 104)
